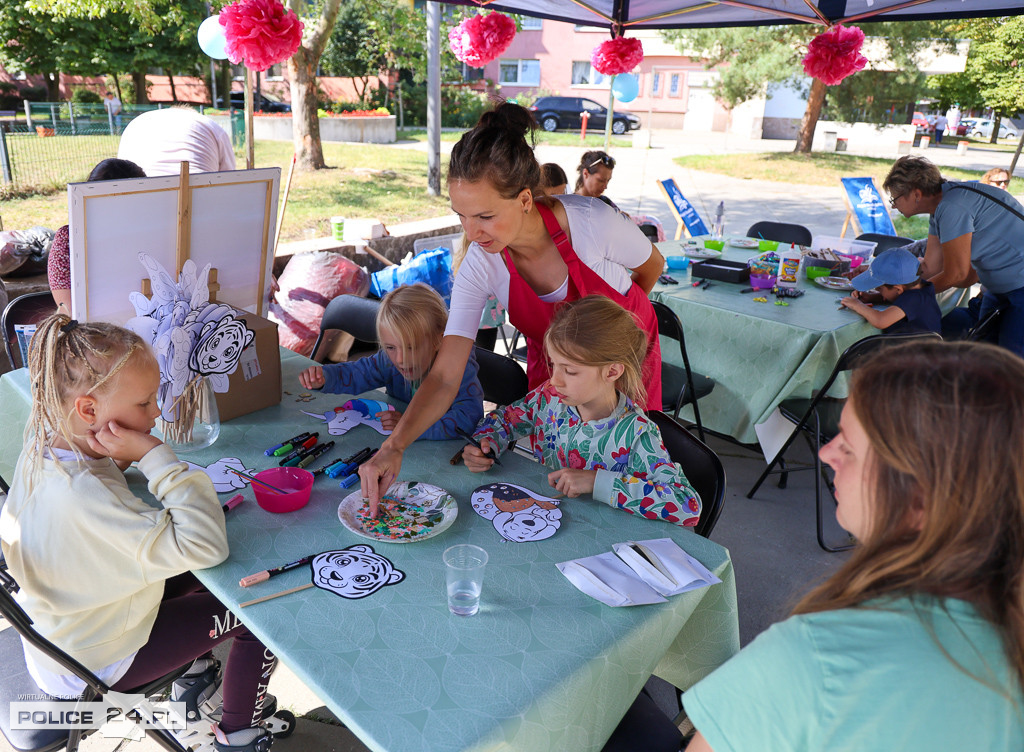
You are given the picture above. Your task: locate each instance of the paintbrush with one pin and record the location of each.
(253, 479)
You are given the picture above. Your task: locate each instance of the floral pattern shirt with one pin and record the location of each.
(633, 469)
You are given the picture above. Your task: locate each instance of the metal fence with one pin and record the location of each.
(60, 142)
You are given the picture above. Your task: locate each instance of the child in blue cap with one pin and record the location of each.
(912, 306)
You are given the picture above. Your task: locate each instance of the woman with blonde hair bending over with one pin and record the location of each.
(917, 642)
(531, 252)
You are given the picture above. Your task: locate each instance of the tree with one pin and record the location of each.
(750, 58)
(302, 66)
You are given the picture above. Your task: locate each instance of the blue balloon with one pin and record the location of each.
(625, 87)
(212, 39)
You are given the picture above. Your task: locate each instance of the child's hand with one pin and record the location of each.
(477, 461)
(119, 443)
(389, 419)
(573, 483)
(312, 377)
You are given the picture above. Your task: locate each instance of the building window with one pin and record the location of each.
(673, 85)
(274, 73)
(655, 84)
(520, 72)
(469, 73)
(583, 74)
(529, 23)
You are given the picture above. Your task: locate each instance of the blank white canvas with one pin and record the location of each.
(232, 228)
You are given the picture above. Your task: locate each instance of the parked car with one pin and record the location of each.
(982, 128)
(565, 112)
(923, 123)
(263, 103)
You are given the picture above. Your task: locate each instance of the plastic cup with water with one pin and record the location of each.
(464, 566)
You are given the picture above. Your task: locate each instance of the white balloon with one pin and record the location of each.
(212, 39)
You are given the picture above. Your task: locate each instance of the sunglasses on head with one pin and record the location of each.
(607, 161)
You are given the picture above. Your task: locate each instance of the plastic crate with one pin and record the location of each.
(853, 249)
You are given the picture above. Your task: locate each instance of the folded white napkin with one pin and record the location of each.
(636, 573)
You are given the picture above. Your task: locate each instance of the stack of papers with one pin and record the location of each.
(635, 573)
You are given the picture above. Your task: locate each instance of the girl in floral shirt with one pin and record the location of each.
(584, 424)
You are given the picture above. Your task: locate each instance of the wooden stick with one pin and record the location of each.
(386, 261)
(284, 203)
(184, 219)
(250, 159)
(270, 597)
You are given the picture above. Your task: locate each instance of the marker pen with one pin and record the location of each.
(314, 453)
(300, 448)
(283, 444)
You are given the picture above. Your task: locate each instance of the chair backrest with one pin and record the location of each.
(436, 241)
(781, 231)
(700, 464)
(884, 242)
(503, 380)
(670, 326)
(25, 309)
(980, 332)
(350, 313)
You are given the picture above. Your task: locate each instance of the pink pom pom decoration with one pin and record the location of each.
(619, 55)
(260, 33)
(835, 54)
(480, 39)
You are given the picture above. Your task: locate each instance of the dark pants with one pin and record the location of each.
(1011, 324)
(188, 625)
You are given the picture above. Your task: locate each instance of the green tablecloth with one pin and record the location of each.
(541, 667)
(758, 353)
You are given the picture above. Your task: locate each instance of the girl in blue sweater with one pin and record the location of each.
(410, 324)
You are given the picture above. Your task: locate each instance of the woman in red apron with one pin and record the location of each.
(492, 179)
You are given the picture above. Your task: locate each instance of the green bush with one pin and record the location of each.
(461, 107)
(34, 93)
(85, 96)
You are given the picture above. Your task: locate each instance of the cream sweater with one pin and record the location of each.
(91, 558)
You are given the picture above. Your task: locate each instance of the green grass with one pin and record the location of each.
(819, 168)
(564, 138)
(362, 181)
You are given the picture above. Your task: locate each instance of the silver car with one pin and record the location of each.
(983, 129)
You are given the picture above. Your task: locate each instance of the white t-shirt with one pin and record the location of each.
(605, 240)
(112, 105)
(159, 140)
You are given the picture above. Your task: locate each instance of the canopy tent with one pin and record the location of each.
(694, 14)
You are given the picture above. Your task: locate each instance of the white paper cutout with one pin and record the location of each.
(190, 336)
(354, 572)
(355, 412)
(517, 513)
(223, 479)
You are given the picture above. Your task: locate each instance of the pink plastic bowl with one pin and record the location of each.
(296, 481)
(763, 281)
(855, 261)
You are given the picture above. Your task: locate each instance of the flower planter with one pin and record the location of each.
(367, 130)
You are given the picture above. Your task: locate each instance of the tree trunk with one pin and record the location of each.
(117, 87)
(994, 138)
(170, 80)
(139, 79)
(52, 86)
(814, 104)
(309, 154)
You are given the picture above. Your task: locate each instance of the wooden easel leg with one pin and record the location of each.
(846, 223)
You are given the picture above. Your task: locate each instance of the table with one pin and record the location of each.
(542, 666)
(759, 353)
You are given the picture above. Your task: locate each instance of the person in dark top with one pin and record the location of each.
(912, 306)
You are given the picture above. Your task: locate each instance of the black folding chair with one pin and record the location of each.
(818, 419)
(503, 379)
(16, 683)
(701, 466)
(30, 308)
(680, 386)
(353, 314)
(987, 329)
(884, 242)
(780, 231)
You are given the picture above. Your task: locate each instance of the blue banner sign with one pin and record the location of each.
(684, 210)
(870, 211)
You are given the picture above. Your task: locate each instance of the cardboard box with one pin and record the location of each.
(256, 383)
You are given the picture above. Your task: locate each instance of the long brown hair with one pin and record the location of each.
(945, 424)
(596, 331)
(66, 360)
(497, 150)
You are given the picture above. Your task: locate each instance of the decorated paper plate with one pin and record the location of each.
(743, 243)
(833, 283)
(700, 252)
(408, 512)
